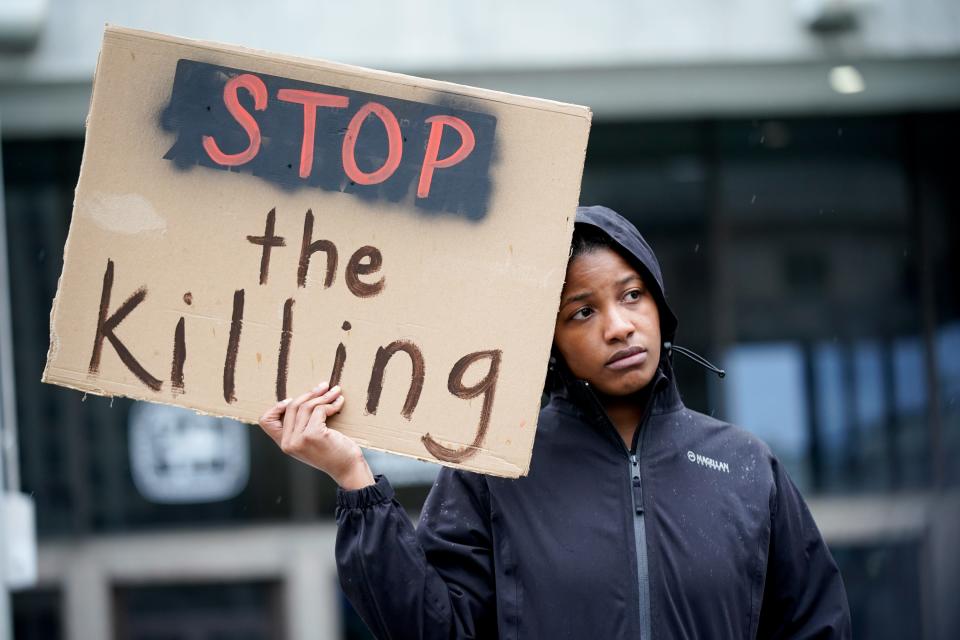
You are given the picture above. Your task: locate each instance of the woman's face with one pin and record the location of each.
(608, 327)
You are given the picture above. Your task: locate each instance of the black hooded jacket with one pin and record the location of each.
(696, 533)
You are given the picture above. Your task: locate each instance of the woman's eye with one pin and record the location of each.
(582, 314)
(634, 294)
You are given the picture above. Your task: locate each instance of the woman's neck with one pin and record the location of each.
(625, 412)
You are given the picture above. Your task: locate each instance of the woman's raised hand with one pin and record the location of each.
(299, 427)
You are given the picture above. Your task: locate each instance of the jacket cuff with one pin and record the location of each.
(380, 491)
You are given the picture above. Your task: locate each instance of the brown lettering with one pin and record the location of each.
(340, 359)
(308, 248)
(355, 269)
(233, 346)
(179, 357)
(268, 241)
(283, 360)
(107, 325)
(487, 386)
(416, 378)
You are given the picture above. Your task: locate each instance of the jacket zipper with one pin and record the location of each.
(640, 541)
(636, 495)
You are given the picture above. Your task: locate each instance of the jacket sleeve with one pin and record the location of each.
(803, 595)
(435, 582)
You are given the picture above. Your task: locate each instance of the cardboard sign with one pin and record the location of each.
(248, 225)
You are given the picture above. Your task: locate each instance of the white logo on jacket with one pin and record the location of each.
(710, 463)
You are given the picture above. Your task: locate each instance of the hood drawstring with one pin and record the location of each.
(670, 347)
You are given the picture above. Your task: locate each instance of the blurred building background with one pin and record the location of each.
(793, 162)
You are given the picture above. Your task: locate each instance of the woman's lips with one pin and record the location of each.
(627, 358)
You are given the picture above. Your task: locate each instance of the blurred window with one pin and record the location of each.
(37, 614)
(883, 588)
(766, 393)
(948, 359)
(238, 611)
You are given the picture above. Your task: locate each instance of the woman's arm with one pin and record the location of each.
(803, 596)
(435, 582)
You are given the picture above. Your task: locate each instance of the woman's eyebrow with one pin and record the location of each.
(577, 297)
(583, 295)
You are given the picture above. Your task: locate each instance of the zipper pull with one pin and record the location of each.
(637, 487)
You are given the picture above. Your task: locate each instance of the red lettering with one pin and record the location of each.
(310, 101)
(430, 160)
(394, 145)
(258, 90)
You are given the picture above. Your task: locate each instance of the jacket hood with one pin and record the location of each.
(635, 249)
(626, 236)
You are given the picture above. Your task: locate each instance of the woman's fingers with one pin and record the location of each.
(293, 408)
(299, 427)
(318, 444)
(322, 411)
(290, 416)
(272, 421)
(316, 406)
(320, 394)
(334, 407)
(305, 442)
(274, 415)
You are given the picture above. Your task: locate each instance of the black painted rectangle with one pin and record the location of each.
(197, 108)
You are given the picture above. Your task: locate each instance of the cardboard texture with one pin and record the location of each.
(247, 225)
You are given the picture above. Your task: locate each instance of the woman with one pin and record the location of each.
(639, 518)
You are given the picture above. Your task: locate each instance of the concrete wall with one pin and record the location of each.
(300, 557)
(625, 58)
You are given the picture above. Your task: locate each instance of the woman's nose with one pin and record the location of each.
(618, 327)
